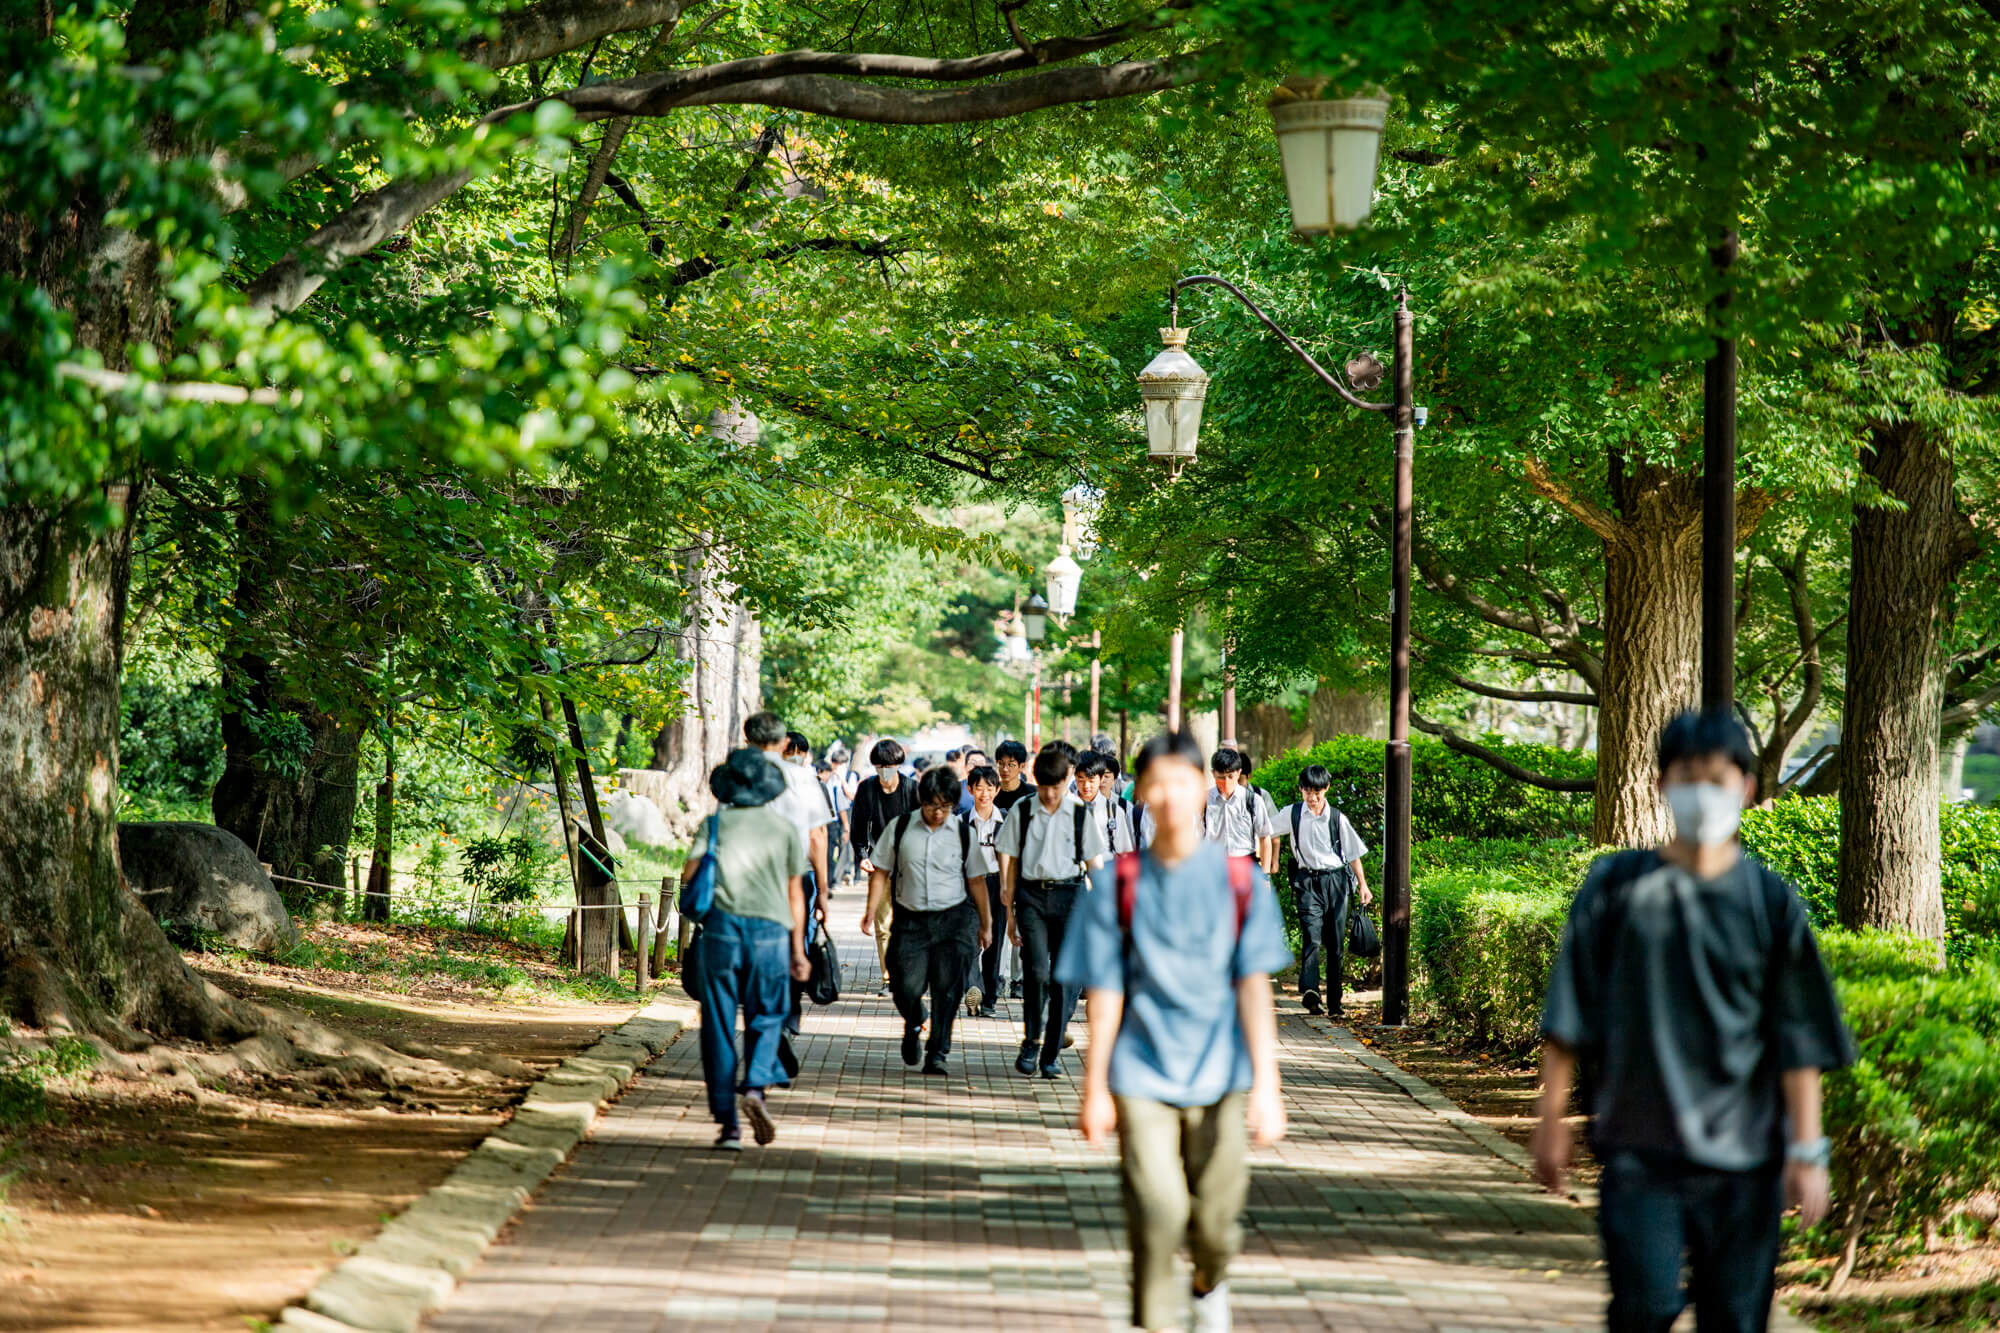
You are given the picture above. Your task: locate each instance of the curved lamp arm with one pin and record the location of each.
(1332, 380)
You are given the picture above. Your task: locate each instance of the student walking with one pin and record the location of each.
(1097, 787)
(878, 802)
(1235, 815)
(1326, 877)
(1174, 948)
(984, 820)
(932, 871)
(1688, 991)
(1010, 758)
(1047, 846)
(751, 945)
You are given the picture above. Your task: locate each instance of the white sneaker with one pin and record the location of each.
(1211, 1312)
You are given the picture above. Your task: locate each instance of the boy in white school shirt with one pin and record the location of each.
(1095, 776)
(1326, 876)
(984, 815)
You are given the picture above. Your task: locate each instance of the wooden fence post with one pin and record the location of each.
(642, 954)
(660, 921)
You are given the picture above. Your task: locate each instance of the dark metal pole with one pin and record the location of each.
(1396, 822)
(1718, 505)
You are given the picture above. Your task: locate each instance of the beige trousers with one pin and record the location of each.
(1186, 1177)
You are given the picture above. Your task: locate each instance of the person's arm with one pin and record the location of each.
(1104, 1011)
(1551, 1144)
(1806, 1184)
(975, 889)
(1258, 1014)
(801, 969)
(1361, 881)
(1010, 874)
(878, 893)
(816, 853)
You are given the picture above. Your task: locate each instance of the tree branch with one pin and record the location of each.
(1520, 696)
(555, 26)
(1454, 741)
(1598, 519)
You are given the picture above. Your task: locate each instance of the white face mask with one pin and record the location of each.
(1704, 813)
(888, 773)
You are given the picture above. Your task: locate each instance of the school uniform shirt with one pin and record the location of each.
(932, 874)
(1236, 822)
(1116, 819)
(1045, 844)
(1177, 963)
(1148, 827)
(1319, 845)
(987, 829)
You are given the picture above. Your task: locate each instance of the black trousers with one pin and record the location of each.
(931, 954)
(987, 965)
(1322, 899)
(1653, 1210)
(1042, 908)
(798, 1010)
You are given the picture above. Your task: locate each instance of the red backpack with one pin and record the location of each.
(1126, 865)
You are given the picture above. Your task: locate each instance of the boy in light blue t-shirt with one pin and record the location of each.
(1176, 965)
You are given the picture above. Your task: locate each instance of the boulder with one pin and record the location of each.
(208, 878)
(637, 818)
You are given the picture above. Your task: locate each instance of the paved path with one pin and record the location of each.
(892, 1201)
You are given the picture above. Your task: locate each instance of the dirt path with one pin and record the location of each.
(143, 1208)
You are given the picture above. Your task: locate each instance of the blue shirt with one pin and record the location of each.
(1181, 1041)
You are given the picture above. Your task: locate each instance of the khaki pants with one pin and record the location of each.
(882, 915)
(1186, 1175)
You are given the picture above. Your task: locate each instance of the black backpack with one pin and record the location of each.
(1076, 836)
(903, 826)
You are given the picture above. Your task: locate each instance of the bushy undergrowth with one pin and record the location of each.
(26, 1072)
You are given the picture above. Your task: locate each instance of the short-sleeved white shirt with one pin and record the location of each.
(1236, 822)
(1045, 844)
(804, 801)
(1320, 845)
(933, 875)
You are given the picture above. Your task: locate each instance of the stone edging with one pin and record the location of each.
(412, 1266)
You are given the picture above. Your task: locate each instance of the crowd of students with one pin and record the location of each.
(1688, 985)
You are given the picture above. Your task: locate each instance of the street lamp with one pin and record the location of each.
(1329, 149)
(1080, 505)
(1173, 385)
(1035, 618)
(1064, 577)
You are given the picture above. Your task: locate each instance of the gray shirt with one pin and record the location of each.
(1684, 1000)
(932, 873)
(1046, 844)
(1319, 845)
(1236, 822)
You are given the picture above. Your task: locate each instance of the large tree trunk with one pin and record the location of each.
(1899, 607)
(77, 950)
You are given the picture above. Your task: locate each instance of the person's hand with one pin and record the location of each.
(802, 968)
(1367, 898)
(867, 867)
(1266, 1113)
(985, 938)
(1098, 1119)
(1014, 932)
(1551, 1146)
(867, 923)
(1808, 1189)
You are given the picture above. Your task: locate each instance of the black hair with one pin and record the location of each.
(1091, 764)
(886, 754)
(1112, 766)
(983, 773)
(1063, 748)
(1051, 768)
(1227, 760)
(938, 784)
(796, 743)
(969, 751)
(1691, 735)
(950, 755)
(1314, 777)
(921, 763)
(1011, 750)
(1167, 745)
(1103, 743)
(764, 730)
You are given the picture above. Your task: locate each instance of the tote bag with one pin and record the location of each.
(697, 899)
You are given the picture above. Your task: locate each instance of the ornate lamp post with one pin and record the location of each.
(1035, 621)
(1064, 578)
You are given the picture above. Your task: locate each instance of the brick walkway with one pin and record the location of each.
(892, 1201)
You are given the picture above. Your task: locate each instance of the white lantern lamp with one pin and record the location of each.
(1173, 385)
(1035, 618)
(1080, 505)
(1064, 577)
(1330, 150)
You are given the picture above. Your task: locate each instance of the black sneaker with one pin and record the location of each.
(913, 1045)
(986, 1011)
(935, 1065)
(1013, 990)
(1025, 1061)
(1311, 1001)
(1053, 1069)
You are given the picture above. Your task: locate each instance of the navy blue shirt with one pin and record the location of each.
(1181, 1041)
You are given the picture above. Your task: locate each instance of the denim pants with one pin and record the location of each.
(1654, 1210)
(1042, 909)
(930, 954)
(1321, 896)
(746, 963)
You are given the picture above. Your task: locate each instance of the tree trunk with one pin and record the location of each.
(1899, 607)
(1652, 644)
(77, 950)
(721, 651)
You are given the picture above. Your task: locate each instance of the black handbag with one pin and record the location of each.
(691, 964)
(823, 986)
(1362, 939)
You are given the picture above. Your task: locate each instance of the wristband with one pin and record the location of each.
(1811, 1152)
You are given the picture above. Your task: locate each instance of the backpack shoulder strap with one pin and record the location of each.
(1076, 836)
(1241, 885)
(1298, 824)
(896, 845)
(964, 844)
(1127, 869)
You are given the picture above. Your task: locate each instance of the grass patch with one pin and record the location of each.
(1967, 1310)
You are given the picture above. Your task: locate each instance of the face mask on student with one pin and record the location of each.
(886, 772)
(1704, 813)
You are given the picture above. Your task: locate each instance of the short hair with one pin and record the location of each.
(1063, 748)
(950, 755)
(983, 773)
(938, 784)
(1314, 777)
(1693, 734)
(764, 730)
(971, 750)
(796, 743)
(1051, 768)
(1112, 766)
(1103, 744)
(1091, 764)
(921, 763)
(1167, 745)
(886, 754)
(1011, 750)
(823, 767)
(1228, 759)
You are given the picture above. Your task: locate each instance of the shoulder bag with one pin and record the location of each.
(697, 900)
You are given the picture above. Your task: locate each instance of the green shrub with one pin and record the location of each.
(1452, 795)
(26, 1073)
(1482, 942)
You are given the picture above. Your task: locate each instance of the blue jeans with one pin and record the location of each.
(1653, 1210)
(746, 963)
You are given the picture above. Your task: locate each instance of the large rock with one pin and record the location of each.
(205, 877)
(637, 818)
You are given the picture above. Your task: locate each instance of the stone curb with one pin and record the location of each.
(411, 1267)
(1444, 1108)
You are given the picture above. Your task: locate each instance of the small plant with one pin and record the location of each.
(504, 870)
(25, 1075)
